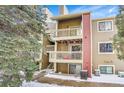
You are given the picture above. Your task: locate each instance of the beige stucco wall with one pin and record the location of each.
(104, 59)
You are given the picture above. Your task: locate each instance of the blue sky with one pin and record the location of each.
(97, 11)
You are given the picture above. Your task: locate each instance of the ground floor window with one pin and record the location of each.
(106, 69)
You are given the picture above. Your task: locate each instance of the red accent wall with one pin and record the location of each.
(86, 43)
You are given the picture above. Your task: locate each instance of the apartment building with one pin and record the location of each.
(71, 36)
(82, 43)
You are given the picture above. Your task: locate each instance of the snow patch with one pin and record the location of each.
(37, 84)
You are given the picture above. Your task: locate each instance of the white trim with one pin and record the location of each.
(104, 52)
(66, 61)
(105, 21)
(91, 44)
(68, 38)
(55, 48)
(78, 26)
(68, 68)
(82, 25)
(55, 66)
(108, 65)
(65, 52)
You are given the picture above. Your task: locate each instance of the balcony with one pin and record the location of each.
(50, 48)
(66, 34)
(65, 57)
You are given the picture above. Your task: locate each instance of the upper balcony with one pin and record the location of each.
(66, 34)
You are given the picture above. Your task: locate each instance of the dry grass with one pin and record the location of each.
(76, 84)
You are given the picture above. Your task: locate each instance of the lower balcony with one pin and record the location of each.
(65, 57)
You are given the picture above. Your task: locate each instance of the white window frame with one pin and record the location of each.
(108, 65)
(104, 30)
(104, 52)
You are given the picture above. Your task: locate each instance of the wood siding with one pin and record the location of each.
(45, 57)
(62, 47)
(68, 23)
(63, 68)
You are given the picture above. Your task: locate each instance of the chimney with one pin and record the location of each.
(63, 10)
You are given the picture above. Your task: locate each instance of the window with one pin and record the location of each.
(105, 48)
(105, 26)
(76, 48)
(75, 68)
(106, 69)
(76, 51)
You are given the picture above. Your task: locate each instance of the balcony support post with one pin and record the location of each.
(55, 66)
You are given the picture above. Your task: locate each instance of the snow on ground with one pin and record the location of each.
(37, 84)
(102, 78)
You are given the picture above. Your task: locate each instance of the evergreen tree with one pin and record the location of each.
(118, 40)
(20, 42)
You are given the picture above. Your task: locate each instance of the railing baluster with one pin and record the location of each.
(66, 55)
(68, 32)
